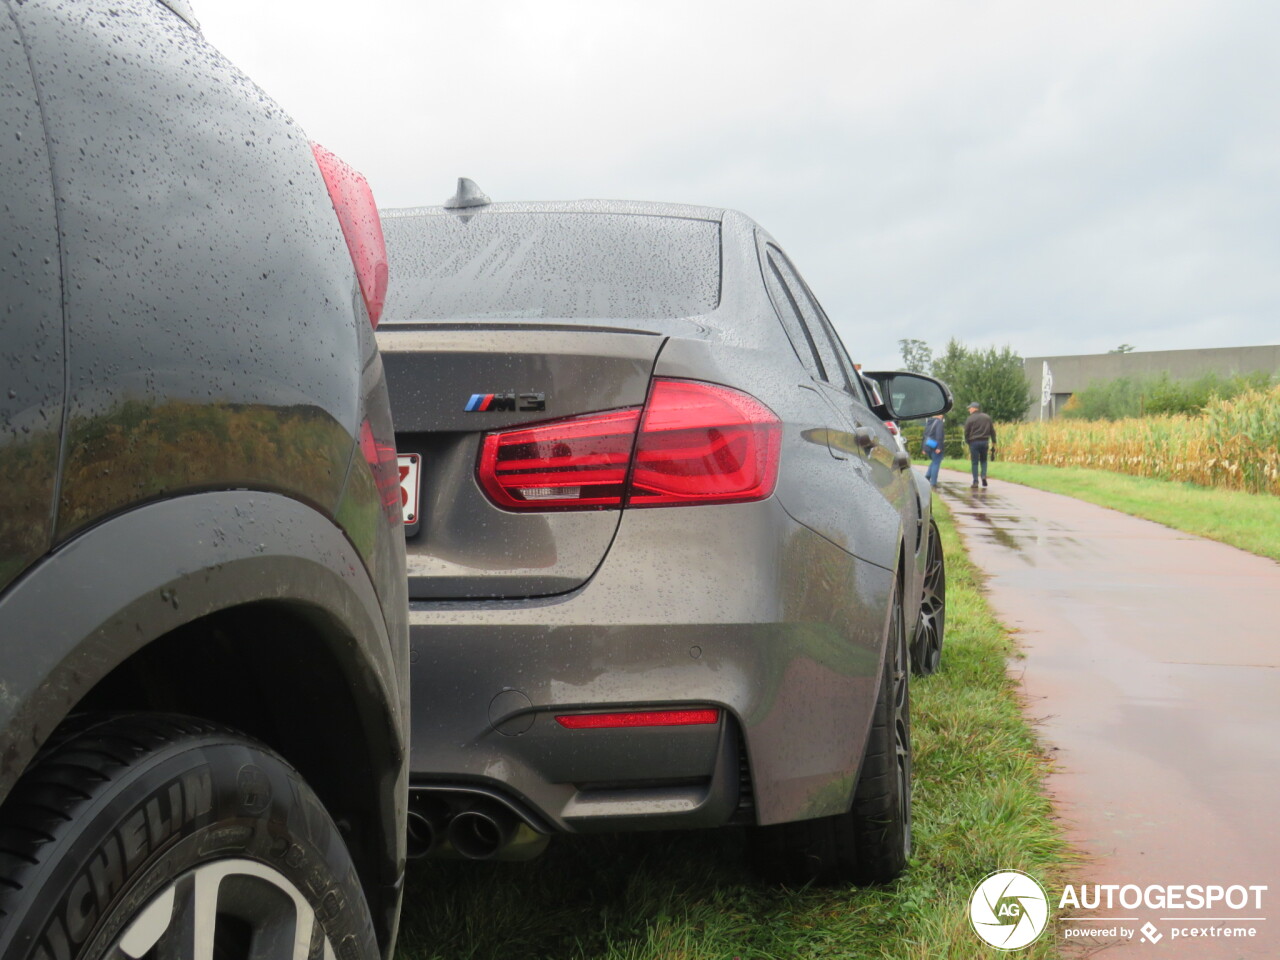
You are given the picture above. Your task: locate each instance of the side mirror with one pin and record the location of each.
(911, 396)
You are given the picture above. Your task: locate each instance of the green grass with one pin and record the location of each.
(688, 896)
(1250, 521)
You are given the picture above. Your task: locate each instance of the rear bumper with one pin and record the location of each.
(736, 607)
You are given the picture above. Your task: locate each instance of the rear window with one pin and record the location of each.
(555, 265)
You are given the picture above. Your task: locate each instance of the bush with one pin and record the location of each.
(1106, 400)
(1157, 395)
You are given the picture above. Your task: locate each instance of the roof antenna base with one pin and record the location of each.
(468, 195)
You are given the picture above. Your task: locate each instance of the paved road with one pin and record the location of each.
(1153, 666)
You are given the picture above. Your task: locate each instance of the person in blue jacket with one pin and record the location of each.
(934, 431)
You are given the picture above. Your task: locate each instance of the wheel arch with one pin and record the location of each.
(245, 608)
(899, 583)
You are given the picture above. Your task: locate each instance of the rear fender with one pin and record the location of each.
(828, 490)
(104, 596)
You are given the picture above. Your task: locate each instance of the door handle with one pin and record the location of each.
(864, 437)
(901, 460)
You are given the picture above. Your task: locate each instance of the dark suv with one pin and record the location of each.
(203, 644)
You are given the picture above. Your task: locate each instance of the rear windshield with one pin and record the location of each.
(559, 265)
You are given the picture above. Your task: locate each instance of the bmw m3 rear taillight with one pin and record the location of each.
(570, 464)
(703, 443)
(691, 443)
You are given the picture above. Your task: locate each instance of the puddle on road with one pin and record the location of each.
(974, 503)
(1007, 529)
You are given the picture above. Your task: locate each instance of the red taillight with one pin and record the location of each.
(361, 227)
(698, 443)
(384, 466)
(575, 463)
(639, 718)
(703, 443)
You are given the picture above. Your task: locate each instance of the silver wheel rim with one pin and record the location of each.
(901, 724)
(225, 908)
(933, 607)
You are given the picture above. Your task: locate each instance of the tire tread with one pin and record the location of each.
(89, 755)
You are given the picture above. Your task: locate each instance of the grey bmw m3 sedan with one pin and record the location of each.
(665, 560)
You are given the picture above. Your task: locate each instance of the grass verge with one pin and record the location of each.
(1250, 521)
(688, 896)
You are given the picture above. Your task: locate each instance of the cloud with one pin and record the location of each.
(1061, 178)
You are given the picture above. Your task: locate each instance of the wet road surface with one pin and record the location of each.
(1153, 667)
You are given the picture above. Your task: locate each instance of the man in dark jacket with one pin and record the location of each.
(980, 435)
(934, 434)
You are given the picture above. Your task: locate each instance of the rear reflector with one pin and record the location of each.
(642, 718)
(697, 443)
(361, 227)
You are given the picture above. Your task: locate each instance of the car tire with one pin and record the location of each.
(144, 835)
(871, 843)
(926, 648)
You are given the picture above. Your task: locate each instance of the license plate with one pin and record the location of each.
(410, 471)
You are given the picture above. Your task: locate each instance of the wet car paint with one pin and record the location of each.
(31, 346)
(140, 254)
(189, 369)
(663, 623)
(466, 546)
(774, 611)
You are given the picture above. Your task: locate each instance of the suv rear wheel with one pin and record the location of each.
(872, 842)
(158, 837)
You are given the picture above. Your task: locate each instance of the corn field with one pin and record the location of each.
(1234, 444)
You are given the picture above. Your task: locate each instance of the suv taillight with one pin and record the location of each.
(697, 443)
(361, 227)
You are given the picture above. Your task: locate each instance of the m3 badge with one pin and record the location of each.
(508, 402)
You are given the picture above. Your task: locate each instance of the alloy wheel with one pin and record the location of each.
(927, 652)
(228, 908)
(902, 723)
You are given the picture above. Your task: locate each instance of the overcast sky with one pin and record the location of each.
(1061, 178)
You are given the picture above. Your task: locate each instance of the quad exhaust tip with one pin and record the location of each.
(428, 822)
(480, 833)
(470, 827)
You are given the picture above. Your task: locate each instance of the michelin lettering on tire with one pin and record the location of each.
(1008, 910)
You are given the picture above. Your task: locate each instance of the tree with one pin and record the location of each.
(1123, 348)
(916, 355)
(991, 377)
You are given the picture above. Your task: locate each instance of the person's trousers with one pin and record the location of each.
(931, 472)
(978, 457)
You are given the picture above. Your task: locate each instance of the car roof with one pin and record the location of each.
(643, 208)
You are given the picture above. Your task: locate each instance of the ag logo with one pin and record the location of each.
(1008, 910)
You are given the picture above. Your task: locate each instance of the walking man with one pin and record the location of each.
(980, 435)
(934, 434)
